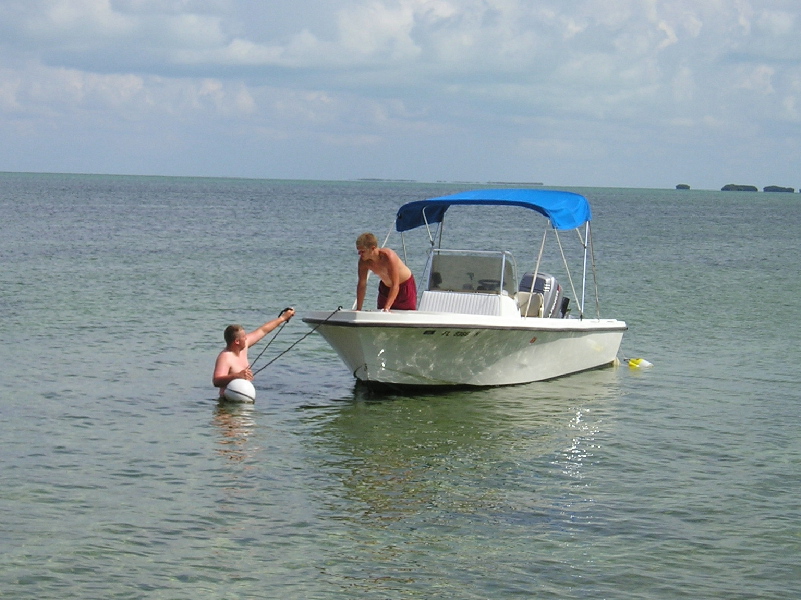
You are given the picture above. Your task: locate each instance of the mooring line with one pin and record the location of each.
(275, 335)
(313, 329)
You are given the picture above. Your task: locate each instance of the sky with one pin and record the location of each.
(612, 93)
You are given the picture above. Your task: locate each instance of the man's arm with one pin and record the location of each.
(257, 334)
(361, 287)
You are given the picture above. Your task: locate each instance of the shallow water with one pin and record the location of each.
(124, 478)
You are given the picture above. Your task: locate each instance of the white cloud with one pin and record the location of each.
(372, 72)
(10, 83)
(777, 22)
(378, 31)
(670, 36)
(757, 79)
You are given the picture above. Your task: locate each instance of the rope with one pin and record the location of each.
(275, 335)
(295, 343)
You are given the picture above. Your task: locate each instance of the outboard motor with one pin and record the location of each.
(565, 307)
(551, 293)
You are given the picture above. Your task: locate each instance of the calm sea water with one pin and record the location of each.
(122, 477)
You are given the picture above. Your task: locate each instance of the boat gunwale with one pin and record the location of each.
(595, 325)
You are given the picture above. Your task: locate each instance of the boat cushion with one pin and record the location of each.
(457, 302)
(532, 308)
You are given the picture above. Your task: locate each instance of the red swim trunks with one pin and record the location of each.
(407, 295)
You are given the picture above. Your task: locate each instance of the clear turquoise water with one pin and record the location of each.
(124, 478)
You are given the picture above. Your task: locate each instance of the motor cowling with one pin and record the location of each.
(545, 284)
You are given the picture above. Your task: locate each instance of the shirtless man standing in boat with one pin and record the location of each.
(232, 363)
(397, 289)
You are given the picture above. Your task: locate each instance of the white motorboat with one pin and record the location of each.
(477, 323)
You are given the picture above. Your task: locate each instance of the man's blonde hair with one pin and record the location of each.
(366, 240)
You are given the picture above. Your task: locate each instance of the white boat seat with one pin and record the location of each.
(530, 304)
(469, 304)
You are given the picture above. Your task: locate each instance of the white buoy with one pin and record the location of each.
(639, 363)
(240, 390)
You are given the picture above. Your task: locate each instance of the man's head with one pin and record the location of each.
(366, 241)
(232, 333)
(367, 247)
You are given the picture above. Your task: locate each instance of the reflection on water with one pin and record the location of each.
(464, 453)
(235, 424)
(582, 446)
(501, 476)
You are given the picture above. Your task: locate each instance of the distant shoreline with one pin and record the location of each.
(384, 180)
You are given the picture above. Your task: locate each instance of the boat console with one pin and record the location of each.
(484, 283)
(472, 272)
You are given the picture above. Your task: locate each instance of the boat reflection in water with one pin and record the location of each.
(518, 452)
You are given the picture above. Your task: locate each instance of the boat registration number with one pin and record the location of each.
(450, 333)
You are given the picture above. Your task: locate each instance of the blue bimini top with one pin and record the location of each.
(565, 210)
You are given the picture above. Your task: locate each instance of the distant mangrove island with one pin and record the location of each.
(736, 187)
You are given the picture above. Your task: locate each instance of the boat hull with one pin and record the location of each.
(419, 348)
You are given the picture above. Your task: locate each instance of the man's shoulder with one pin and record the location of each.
(224, 354)
(387, 253)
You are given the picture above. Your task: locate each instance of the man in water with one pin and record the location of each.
(232, 363)
(397, 289)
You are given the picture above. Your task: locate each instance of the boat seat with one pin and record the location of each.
(469, 304)
(532, 308)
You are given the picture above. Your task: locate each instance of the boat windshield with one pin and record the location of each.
(473, 271)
